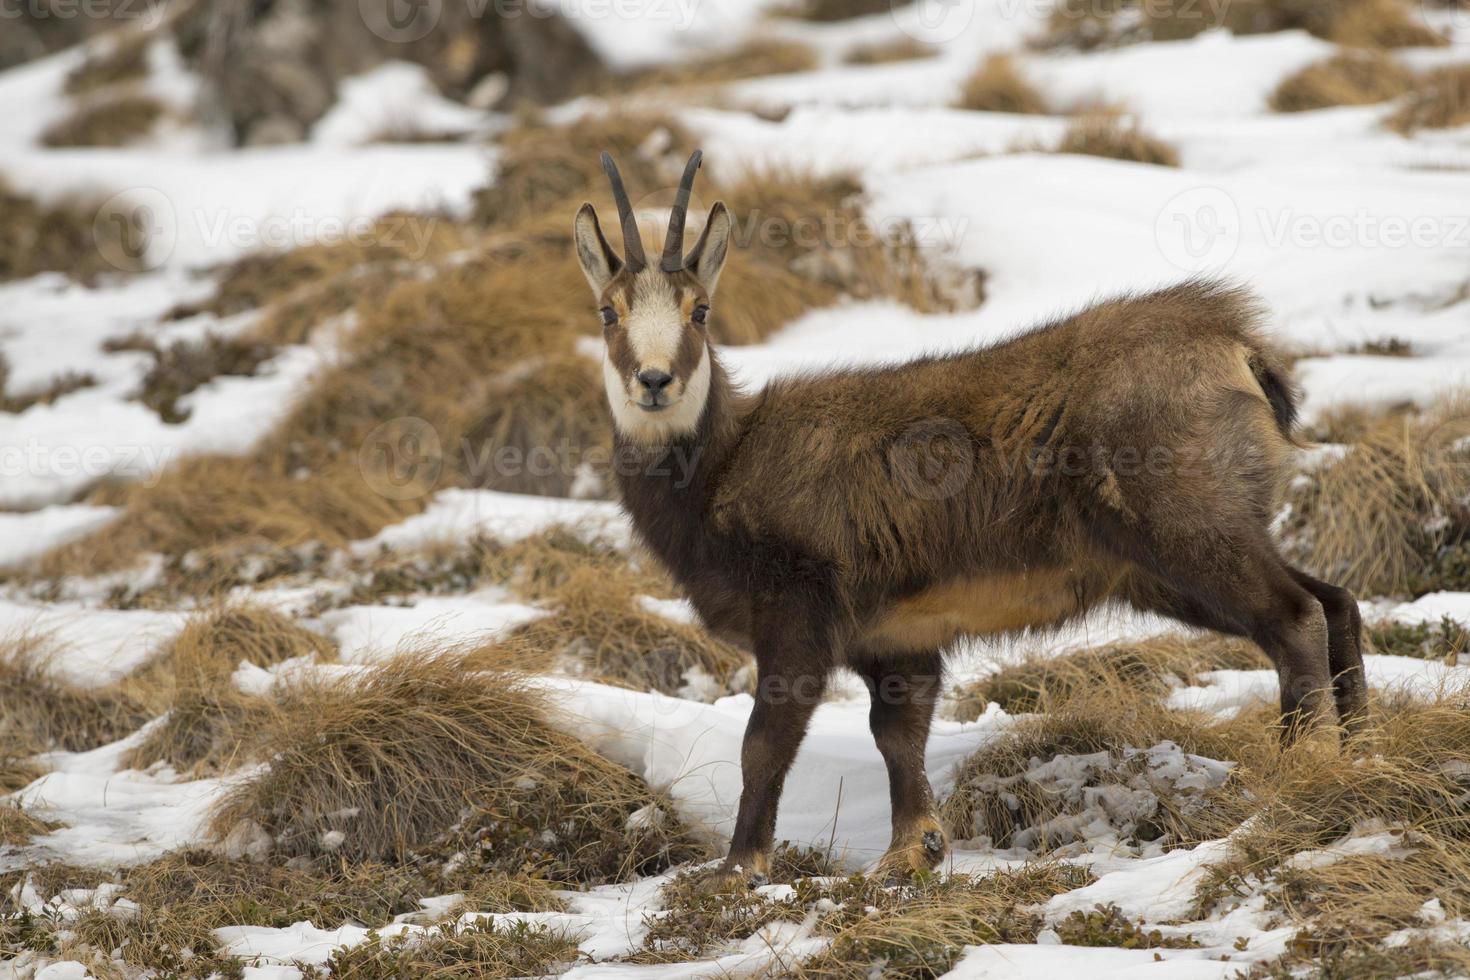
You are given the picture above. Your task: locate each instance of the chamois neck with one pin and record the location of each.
(685, 467)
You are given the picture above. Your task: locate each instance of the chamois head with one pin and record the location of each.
(655, 318)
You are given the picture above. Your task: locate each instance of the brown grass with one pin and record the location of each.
(1347, 78)
(62, 236)
(1407, 778)
(997, 86)
(1376, 23)
(17, 827)
(184, 896)
(479, 949)
(833, 10)
(1149, 665)
(597, 622)
(1116, 137)
(546, 419)
(123, 59)
(751, 58)
(209, 719)
(58, 387)
(888, 52)
(113, 121)
(187, 365)
(1389, 518)
(1441, 100)
(40, 708)
(421, 747)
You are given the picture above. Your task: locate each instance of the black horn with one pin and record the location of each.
(673, 258)
(632, 243)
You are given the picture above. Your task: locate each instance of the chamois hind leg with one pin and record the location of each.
(1245, 589)
(902, 695)
(1344, 647)
(792, 665)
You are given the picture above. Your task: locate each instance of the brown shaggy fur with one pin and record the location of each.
(868, 518)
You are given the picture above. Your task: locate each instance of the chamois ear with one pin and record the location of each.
(710, 252)
(599, 262)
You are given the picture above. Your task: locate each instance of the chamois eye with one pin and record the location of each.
(609, 316)
(700, 314)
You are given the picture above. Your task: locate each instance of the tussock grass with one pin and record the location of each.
(187, 365)
(1115, 136)
(425, 750)
(40, 708)
(59, 236)
(888, 52)
(597, 622)
(185, 895)
(998, 86)
(1106, 925)
(111, 121)
(58, 387)
(1440, 100)
(1390, 517)
(1090, 24)
(553, 408)
(1150, 666)
(751, 58)
(1354, 77)
(909, 930)
(123, 59)
(17, 827)
(834, 10)
(1408, 781)
(209, 719)
(478, 949)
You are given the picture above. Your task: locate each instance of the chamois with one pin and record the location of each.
(868, 518)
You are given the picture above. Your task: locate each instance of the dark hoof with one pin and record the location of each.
(758, 879)
(934, 842)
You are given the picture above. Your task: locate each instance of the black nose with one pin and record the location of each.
(655, 381)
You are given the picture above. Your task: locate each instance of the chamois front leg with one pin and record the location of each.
(792, 666)
(902, 695)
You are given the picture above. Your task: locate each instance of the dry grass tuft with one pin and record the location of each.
(911, 930)
(997, 86)
(17, 827)
(546, 430)
(826, 11)
(1440, 100)
(58, 387)
(751, 58)
(209, 719)
(62, 236)
(598, 623)
(1347, 78)
(1091, 24)
(123, 59)
(422, 751)
(1117, 137)
(187, 365)
(1390, 517)
(112, 121)
(478, 949)
(888, 52)
(39, 708)
(1150, 665)
(1406, 781)
(184, 896)
(1446, 640)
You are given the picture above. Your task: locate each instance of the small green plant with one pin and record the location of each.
(1106, 925)
(1444, 640)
